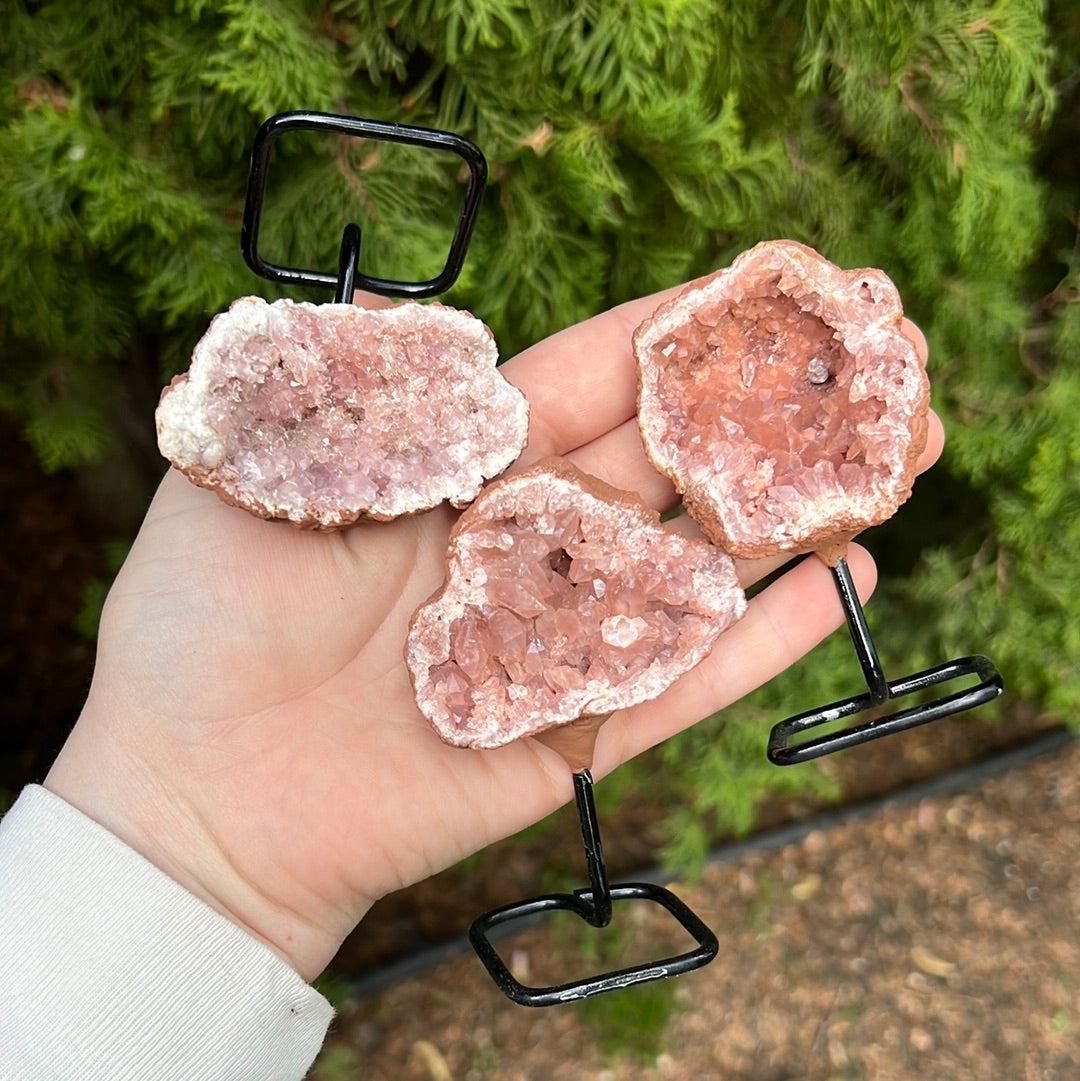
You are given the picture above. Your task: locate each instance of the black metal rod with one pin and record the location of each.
(348, 261)
(873, 672)
(594, 906)
(783, 752)
(599, 893)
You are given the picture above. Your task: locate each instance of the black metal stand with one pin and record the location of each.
(783, 752)
(594, 906)
(349, 278)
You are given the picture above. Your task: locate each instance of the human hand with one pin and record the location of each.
(251, 727)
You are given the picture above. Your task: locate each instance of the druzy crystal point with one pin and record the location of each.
(564, 598)
(783, 400)
(326, 413)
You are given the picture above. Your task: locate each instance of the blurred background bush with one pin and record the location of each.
(631, 145)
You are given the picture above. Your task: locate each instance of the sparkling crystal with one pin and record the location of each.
(783, 400)
(592, 608)
(323, 414)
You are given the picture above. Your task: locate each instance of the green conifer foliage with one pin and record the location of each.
(631, 145)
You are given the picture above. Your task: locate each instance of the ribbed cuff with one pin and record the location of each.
(111, 970)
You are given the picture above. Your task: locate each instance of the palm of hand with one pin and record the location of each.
(285, 709)
(260, 671)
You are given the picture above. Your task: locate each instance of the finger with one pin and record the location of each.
(935, 443)
(581, 382)
(618, 457)
(914, 335)
(782, 623)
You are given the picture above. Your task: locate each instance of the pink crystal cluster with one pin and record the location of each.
(564, 598)
(782, 398)
(323, 414)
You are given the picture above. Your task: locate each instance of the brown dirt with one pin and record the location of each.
(935, 941)
(429, 913)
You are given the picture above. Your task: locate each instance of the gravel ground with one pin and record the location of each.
(936, 940)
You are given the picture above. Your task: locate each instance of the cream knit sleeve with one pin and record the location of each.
(110, 971)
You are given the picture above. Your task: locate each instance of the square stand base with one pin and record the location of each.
(782, 752)
(580, 904)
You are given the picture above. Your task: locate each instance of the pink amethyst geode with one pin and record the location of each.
(564, 598)
(327, 413)
(782, 398)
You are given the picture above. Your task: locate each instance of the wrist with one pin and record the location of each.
(123, 793)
